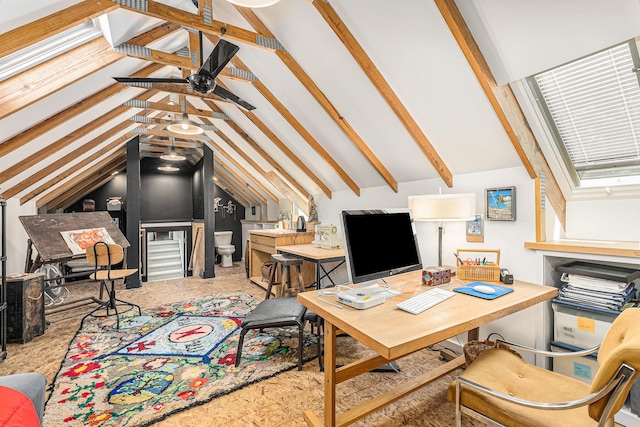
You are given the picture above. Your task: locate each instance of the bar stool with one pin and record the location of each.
(285, 264)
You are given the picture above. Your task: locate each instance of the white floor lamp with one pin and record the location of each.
(443, 208)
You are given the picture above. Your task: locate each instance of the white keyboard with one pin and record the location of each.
(425, 300)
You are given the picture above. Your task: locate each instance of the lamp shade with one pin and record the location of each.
(443, 207)
(185, 126)
(172, 155)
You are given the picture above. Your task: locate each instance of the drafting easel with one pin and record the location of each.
(44, 235)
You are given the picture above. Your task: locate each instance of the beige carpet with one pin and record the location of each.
(277, 401)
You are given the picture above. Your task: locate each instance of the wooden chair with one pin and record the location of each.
(103, 256)
(502, 389)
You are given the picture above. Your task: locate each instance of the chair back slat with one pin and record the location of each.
(103, 254)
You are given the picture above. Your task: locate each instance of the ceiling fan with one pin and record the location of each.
(203, 81)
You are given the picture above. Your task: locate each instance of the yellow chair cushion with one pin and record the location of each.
(507, 373)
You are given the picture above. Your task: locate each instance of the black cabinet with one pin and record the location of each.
(25, 307)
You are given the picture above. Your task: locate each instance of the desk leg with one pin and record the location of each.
(473, 334)
(329, 375)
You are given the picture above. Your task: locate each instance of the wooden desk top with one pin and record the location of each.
(393, 333)
(312, 251)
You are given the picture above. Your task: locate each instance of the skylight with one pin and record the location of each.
(40, 52)
(592, 107)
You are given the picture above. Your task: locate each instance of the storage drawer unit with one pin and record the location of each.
(582, 368)
(582, 327)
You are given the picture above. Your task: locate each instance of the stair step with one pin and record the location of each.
(163, 256)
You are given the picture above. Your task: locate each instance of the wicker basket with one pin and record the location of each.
(490, 272)
(472, 349)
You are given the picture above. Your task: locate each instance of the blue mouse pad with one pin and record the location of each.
(468, 289)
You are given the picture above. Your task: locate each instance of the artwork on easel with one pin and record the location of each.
(79, 240)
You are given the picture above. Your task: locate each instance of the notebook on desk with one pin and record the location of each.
(468, 289)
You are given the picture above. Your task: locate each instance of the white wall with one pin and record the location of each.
(16, 235)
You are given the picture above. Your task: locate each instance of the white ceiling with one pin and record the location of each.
(409, 43)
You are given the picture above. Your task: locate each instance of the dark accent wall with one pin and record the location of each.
(230, 221)
(117, 187)
(165, 196)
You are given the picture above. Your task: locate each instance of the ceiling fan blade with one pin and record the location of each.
(225, 94)
(127, 80)
(220, 56)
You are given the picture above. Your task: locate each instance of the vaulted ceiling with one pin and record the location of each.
(348, 94)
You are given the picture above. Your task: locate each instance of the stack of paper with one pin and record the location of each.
(594, 292)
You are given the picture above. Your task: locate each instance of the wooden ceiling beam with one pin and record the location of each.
(93, 184)
(25, 36)
(222, 174)
(67, 140)
(288, 192)
(249, 160)
(57, 194)
(60, 164)
(200, 23)
(55, 74)
(163, 30)
(366, 64)
(141, 130)
(321, 98)
(229, 188)
(241, 180)
(179, 89)
(253, 144)
(174, 60)
(506, 107)
(282, 146)
(242, 169)
(192, 111)
(44, 126)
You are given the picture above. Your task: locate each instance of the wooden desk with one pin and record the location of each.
(394, 333)
(317, 255)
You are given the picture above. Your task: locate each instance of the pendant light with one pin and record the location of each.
(172, 154)
(185, 126)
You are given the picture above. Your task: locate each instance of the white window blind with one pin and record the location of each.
(594, 104)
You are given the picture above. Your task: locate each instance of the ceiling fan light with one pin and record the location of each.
(253, 3)
(185, 126)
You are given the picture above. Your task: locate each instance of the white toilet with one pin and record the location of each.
(224, 247)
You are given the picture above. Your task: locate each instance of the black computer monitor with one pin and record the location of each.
(379, 243)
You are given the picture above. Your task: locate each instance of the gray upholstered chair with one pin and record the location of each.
(31, 384)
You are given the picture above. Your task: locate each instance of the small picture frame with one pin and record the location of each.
(500, 204)
(475, 229)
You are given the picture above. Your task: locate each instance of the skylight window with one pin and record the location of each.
(38, 53)
(592, 107)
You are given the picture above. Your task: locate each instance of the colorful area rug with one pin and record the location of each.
(167, 360)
